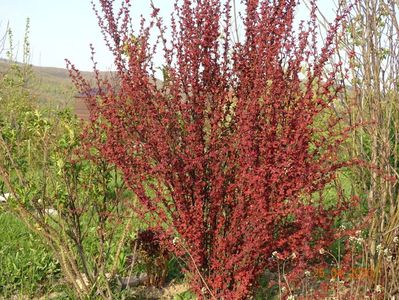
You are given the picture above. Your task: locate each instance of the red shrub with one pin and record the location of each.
(224, 153)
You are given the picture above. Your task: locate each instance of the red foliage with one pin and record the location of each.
(227, 143)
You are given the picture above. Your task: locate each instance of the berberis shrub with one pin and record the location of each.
(223, 154)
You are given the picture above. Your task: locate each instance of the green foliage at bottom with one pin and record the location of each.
(26, 266)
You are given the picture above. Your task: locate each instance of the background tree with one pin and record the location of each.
(370, 49)
(373, 50)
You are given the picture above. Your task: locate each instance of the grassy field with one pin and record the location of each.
(27, 269)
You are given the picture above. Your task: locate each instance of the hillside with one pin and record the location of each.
(51, 86)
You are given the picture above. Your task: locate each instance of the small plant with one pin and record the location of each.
(71, 200)
(153, 256)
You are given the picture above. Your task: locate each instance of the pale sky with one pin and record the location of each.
(62, 29)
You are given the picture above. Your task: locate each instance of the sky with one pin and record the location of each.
(62, 29)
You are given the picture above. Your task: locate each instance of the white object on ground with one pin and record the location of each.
(4, 197)
(51, 212)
